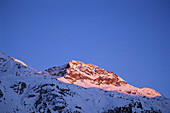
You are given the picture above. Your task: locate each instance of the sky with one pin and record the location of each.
(130, 38)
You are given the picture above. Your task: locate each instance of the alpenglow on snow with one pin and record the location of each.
(72, 88)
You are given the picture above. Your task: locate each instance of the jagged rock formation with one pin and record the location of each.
(23, 90)
(88, 75)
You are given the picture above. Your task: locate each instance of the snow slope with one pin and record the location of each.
(24, 90)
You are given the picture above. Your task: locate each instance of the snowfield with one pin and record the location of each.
(23, 90)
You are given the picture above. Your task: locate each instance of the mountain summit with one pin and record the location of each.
(88, 75)
(72, 88)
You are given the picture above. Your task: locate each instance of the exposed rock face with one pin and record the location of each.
(79, 71)
(88, 75)
(23, 90)
(59, 71)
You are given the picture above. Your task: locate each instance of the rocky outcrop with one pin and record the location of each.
(23, 90)
(88, 75)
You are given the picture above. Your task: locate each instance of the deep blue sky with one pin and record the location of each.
(130, 38)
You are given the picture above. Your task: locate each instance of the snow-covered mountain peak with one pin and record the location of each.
(23, 90)
(14, 66)
(89, 75)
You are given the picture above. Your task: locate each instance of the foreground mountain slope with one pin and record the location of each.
(23, 90)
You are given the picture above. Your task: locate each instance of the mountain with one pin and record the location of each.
(88, 75)
(72, 88)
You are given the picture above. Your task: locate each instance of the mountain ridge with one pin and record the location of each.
(24, 90)
(89, 75)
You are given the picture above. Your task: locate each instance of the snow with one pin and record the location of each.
(90, 74)
(24, 90)
(19, 61)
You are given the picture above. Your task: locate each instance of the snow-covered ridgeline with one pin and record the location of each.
(23, 90)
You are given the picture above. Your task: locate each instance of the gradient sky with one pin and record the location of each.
(130, 38)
